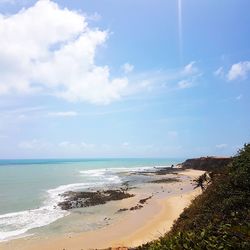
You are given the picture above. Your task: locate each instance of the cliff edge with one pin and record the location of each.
(209, 163)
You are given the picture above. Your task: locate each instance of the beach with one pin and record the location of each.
(156, 206)
(123, 125)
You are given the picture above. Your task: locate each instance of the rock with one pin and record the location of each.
(87, 199)
(136, 207)
(142, 201)
(122, 210)
(158, 171)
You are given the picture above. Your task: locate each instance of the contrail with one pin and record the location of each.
(180, 30)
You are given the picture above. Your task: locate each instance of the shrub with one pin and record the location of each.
(217, 219)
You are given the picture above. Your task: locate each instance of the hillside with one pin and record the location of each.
(220, 217)
(207, 163)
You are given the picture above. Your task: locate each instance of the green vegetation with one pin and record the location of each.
(220, 217)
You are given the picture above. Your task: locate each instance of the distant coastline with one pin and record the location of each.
(149, 206)
(148, 187)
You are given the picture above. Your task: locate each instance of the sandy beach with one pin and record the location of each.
(132, 229)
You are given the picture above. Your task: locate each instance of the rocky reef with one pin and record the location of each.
(87, 199)
(138, 206)
(158, 171)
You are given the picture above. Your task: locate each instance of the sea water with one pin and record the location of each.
(30, 189)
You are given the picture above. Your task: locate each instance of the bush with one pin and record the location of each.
(220, 217)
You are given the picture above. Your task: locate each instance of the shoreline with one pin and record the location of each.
(132, 229)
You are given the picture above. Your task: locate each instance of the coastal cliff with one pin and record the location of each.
(218, 218)
(206, 163)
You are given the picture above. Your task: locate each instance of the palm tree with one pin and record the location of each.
(200, 181)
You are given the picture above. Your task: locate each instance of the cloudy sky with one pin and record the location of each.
(108, 78)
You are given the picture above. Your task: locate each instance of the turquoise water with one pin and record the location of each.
(29, 189)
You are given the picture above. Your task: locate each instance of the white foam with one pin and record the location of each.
(15, 225)
(107, 172)
(101, 176)
(18, 223)
(4, 236)
(54, 193)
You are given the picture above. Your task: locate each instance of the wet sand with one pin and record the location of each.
(132, 228)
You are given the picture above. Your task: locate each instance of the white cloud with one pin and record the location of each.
(239, 71)
(27, 144)
(55, 55)
(87, 145)
(188, 76)
(162, 80)
(125, 144)
(173, 133)
(23, 110)
(66, 144)
(63, 114)
(221, 146)
(219, 72)
(34, 144)
(127, 68)
(7, 1)
(190, 69)
(94, 17)
(185, 84)
(239, 97)
(76, 146)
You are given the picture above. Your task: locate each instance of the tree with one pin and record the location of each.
(200, 181)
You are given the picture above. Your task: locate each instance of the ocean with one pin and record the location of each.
(30, 189)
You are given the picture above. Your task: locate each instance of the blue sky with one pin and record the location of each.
(124, 78)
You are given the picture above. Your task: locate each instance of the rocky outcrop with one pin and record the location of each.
(87, 199)
(207, 163)
(158, 171)
(138, 206)
(142, 201)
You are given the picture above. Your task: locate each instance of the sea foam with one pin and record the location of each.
(13, 225)
(17, 224)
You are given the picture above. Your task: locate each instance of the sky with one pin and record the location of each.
(108, 78)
